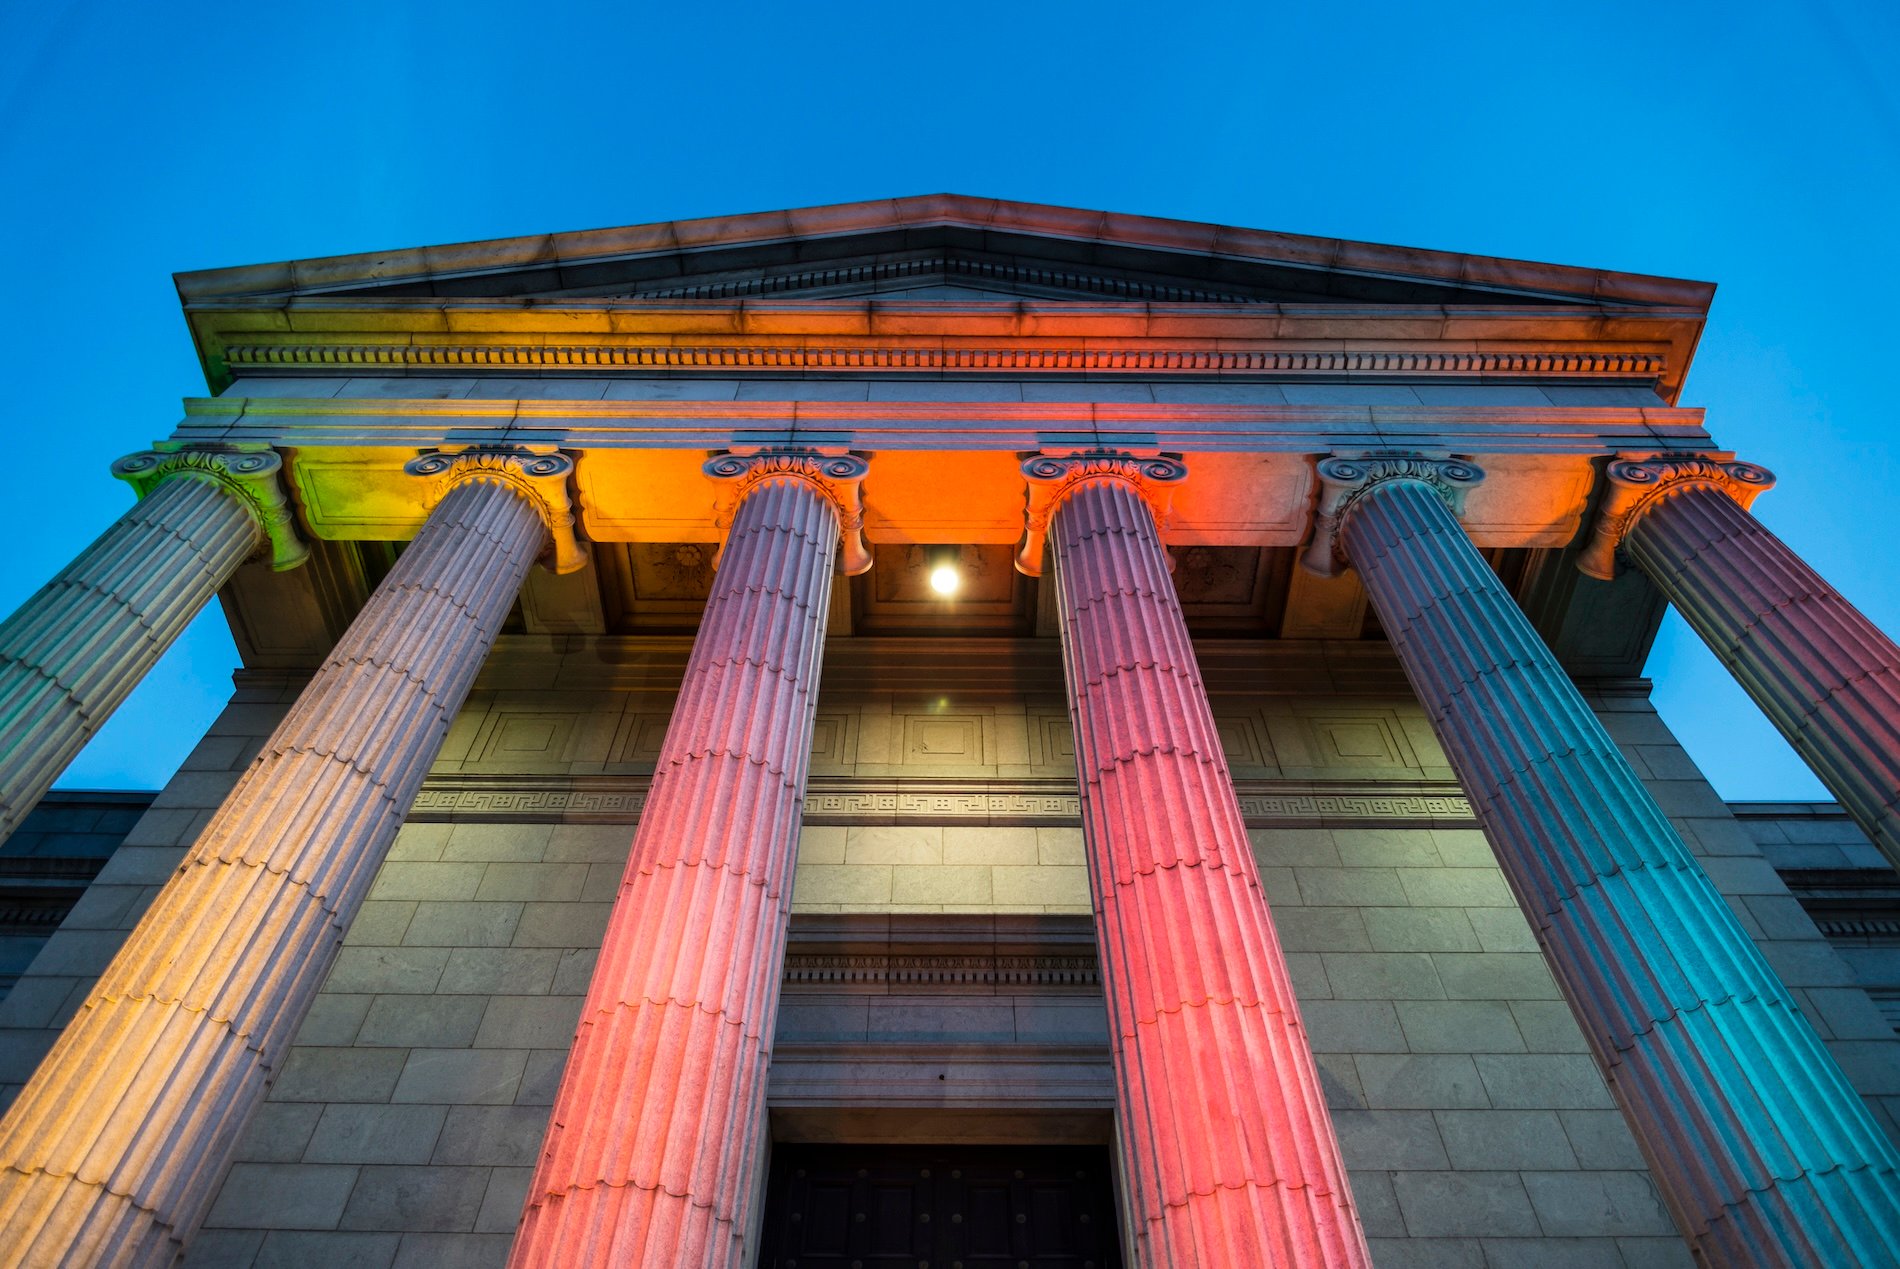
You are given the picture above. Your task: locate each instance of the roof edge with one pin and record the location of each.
(287, 279)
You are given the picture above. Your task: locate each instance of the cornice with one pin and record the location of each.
(563, 251)
(999, 425)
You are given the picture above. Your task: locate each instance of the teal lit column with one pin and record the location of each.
(1762, 1149)
(77, 648)
(1825, 676)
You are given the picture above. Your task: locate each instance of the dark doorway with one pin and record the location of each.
(939, 1207)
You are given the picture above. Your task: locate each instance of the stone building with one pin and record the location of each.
(845, 562)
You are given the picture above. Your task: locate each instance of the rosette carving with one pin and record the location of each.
(1346, 480)
(1052, 477)
(538, 475)
(1634, 484)
(839, 477)
(252, 475)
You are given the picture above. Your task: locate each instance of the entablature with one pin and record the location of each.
(1648, 345)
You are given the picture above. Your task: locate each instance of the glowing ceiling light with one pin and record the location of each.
(944, 579)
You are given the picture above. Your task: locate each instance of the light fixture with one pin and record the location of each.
(944, 575)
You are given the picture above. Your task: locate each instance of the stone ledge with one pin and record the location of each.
(603, 799)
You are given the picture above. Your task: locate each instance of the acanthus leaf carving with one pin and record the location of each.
(538, 473)
(1051, 477)
(1345, 479)
(838, 476)
(250, 473)
(1635, 484)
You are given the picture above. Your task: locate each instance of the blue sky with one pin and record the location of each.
(1754, 146)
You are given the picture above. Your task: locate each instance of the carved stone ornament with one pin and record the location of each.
(1345, 480)
(838, 476)
(251, 474)
(1636, 483)
(538, 474)
(1052, 477)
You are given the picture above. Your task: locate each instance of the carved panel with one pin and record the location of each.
(638, 738)
(1051, 741)
(515, 741)
(834, 742)
(945, 740)
(896, 595)
(654, 585)
(1241, 741)
(1361, 738)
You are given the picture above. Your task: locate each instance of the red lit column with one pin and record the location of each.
(1226, 1149)
(1760, 1146)
(653, 1151)
(1827, 677)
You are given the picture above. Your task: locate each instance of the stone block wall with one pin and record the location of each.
(1475, 1126)
(404, 1125)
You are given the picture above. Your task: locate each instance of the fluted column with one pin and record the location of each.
(1761, 1147)
(113, 1151)
(77, 648)
(653, 1150)
(1827, 677)
(1226, 1148)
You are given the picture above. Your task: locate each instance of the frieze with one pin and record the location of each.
(599, 799)
(772, 357)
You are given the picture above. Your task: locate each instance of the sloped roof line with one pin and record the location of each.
(290, 279)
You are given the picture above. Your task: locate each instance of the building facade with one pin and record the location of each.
(950, 732)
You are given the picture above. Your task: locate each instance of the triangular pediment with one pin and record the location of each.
(936, 249)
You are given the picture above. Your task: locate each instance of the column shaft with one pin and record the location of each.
(79, 646)
(1761, 1147)
(653, 1152)
(1227, 1151)
(1825, 675)
(113, 1150)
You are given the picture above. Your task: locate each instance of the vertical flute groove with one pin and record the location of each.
(1825, 675)
(652, 1149)
(72, 653)
(1227, 1150)
(1760, 1146)
(112, 1149)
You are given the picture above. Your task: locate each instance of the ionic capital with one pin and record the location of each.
(1636, 484)
(1053, 477)
(251, 474)
(1344, 481)
(838, 477)
(537, 473)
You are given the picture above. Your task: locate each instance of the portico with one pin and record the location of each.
(1149, 422)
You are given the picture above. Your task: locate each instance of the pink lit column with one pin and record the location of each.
(653, 1151)
(1226, 1148)
(1827, 677)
